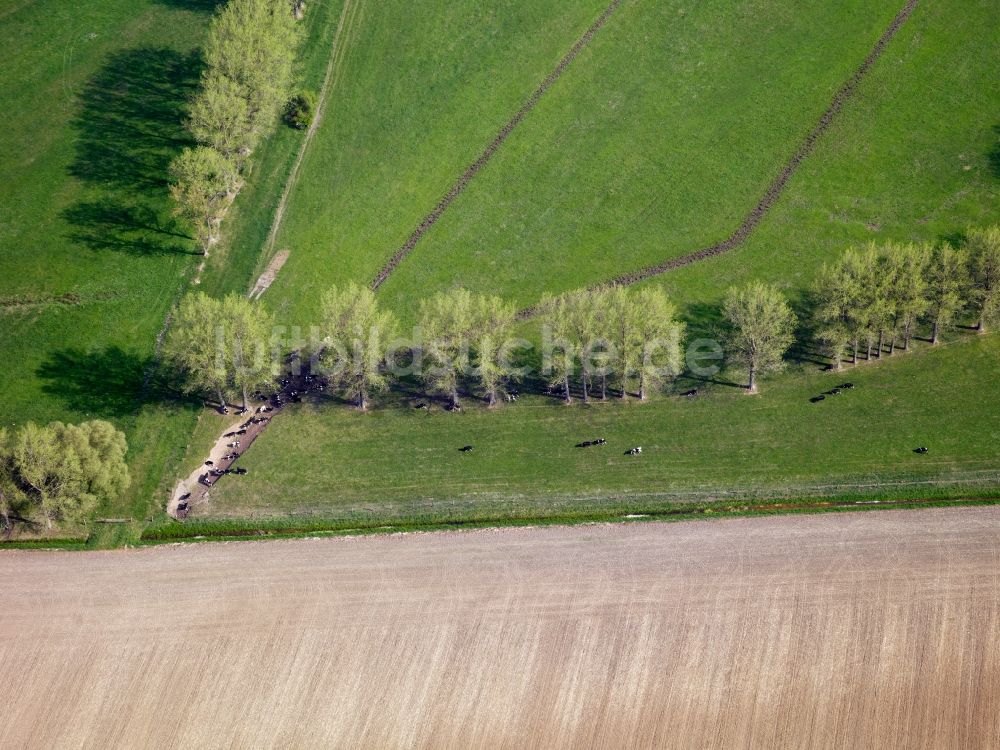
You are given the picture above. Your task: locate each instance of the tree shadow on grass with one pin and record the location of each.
(130, 126)
(110, 383)
(994, 156)
(109, 225)
(204, 6)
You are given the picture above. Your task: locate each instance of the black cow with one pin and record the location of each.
(692, 392)
(465, 448)
(921, 449)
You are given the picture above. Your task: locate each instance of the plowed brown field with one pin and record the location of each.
(866, 630)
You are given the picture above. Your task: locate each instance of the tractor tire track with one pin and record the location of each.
(777, 187)
(473, 169)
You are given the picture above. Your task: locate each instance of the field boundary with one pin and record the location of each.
(473, 169)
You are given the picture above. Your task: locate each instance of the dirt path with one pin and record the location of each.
(267, 278)
(473, 169)
(350, 16)
(870, 630)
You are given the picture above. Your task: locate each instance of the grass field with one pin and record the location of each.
(689, 137)
(398, 461)
(855, 630)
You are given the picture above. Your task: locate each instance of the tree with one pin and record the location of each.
(357, 332)
(661, 334)
(583, 335)
(198, 345)
(601, 358)
(947, 282)
(63, 472)
(984, 272)
(560, 349)
(447, 320)
(907, 288)
(760, 328)
(253, 44)
(493, 319)
(220, 116)
(882, 313)
(836, 294)
(248, 331)
(623, 323)
(204, 184)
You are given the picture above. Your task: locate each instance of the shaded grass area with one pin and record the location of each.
(399, 461)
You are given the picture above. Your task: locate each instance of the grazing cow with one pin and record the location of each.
(692, 392)
(816, 399)
(182, 507)
(465, 448)
(185, 496)
(421, 405)
(634, 451)
(921, 449)
(600, 441)
(846, 386)
(832, 392)
(241, 471)
(210, 463)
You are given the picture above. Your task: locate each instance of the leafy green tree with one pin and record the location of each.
(830, 311)
(493, 319)
(907, 288)
(447, 321)
(63, 472)
(559, 345)
(582, 331)
(947, 284)
(220, 116)
(624, 320)
(599, 354)
(204, 184)
(761, 326)
(198, 345)
(882, 312)
(356, 332)
(248, 329)
(984, 272)
(253, 43)
(658, 327)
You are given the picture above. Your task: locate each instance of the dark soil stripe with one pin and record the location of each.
(484, 157)
(774, 191)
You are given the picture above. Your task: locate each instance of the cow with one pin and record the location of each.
(465, 448)
(816, 399)
(921, 449)
(634, 451)
(692, 392)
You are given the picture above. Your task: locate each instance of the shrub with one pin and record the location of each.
(300, 110)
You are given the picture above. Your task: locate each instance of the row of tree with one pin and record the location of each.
(875, 297)
(613, 339)
(249, 57)
(60, 472)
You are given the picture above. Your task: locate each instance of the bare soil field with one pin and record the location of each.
(877, 629)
